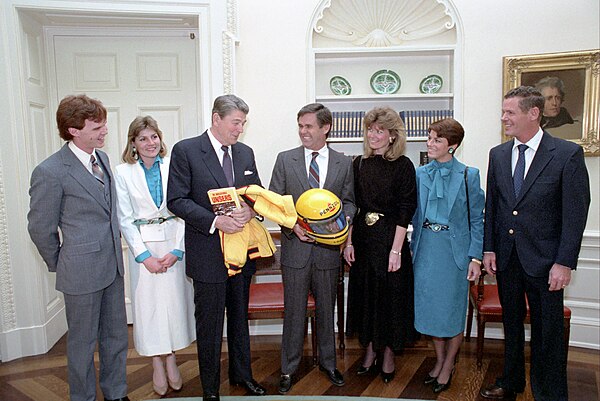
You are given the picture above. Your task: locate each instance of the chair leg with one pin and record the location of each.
(469, 322)
(480, 338)
(313, 339)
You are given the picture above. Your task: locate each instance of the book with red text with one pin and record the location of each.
(223, 200)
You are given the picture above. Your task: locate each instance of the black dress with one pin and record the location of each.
(381, 304)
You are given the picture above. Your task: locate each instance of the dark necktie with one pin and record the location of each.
(313, 171)
(96, 170)
(227, 166)
(519, 175)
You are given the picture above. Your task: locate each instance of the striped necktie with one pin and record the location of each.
(96, 170)
(313, 171)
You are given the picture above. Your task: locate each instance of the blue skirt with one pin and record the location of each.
(441, 289)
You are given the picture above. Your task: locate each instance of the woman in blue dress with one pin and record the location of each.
(447, 246)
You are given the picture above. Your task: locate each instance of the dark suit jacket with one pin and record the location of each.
(290, 178)
(546, 222)
(195, 169)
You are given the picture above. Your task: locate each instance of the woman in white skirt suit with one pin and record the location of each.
(162, 295)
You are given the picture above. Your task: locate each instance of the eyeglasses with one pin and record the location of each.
(371, 130)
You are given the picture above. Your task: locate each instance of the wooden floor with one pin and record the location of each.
(44, 377)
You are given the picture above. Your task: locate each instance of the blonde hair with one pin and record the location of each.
(386, 118)
(139, 124)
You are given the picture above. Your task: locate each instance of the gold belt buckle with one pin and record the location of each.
(372, 218)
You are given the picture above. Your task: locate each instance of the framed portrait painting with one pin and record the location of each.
(570, 83)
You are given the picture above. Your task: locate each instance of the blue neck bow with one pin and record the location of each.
(437, 172)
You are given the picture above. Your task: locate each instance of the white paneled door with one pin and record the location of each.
(133, 76)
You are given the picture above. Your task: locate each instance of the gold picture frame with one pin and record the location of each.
(580, 73)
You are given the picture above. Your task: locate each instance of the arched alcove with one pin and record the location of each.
(402, 53)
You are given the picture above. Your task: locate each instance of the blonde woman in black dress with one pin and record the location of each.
(380, 294)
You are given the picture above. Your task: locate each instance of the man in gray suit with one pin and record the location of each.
(73, 223)
(307, 265)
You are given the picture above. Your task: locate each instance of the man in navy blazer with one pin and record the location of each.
(73, 223)
(537, 203)
(197, 165)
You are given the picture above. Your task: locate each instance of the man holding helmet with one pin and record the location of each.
(308, 264)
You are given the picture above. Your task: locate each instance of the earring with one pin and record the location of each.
(451, 150)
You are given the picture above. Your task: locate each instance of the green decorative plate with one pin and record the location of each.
(431, 84)
(385, 82)
(340, 86)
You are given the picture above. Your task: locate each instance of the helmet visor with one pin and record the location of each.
(332, 225)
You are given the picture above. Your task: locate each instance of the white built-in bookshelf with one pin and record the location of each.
(412, 39)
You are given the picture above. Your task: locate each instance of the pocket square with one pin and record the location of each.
(248, 172)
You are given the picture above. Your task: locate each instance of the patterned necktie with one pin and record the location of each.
(313, 171)
(519, 175)
(96, 170)
(227, 166)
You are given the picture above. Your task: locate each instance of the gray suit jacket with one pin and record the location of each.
(290, 178)
(64, 195)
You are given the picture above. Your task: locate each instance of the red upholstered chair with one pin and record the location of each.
(484, 298)
(266, 298)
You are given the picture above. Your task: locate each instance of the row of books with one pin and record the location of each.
(349, 124)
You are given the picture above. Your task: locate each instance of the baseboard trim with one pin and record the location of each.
(35, 340)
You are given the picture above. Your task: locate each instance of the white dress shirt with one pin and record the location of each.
(532, 146)
(322, 162)
(84, 157)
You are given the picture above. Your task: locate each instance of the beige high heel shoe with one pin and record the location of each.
(177, 383)
(159, 388)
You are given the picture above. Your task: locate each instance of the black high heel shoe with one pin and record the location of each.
(429, 379)
(388, 377)
(363, 370)
(439, 387)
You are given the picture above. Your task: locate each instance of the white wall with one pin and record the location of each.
(271, 74)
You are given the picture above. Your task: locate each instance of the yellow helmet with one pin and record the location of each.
(320, 214)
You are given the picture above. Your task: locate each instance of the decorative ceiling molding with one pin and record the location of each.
(382, 23)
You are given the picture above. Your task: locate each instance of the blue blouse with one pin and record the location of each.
(437, 210)
(154, 182)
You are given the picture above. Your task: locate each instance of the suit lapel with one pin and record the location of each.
(505, 180)
(212, 161)
(164, 176)
(332, 169)
(105, 164)
(238, 164)
(542, 157)
(456, 179)
(299, 167)
(81, 174)
(424, 195)
(139, 180)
